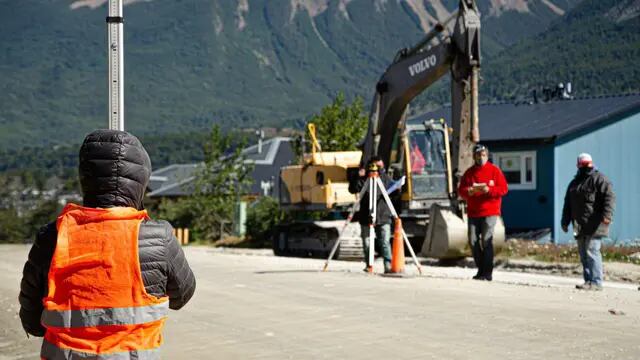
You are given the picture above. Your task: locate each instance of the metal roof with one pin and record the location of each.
(181, 188)
(171, 174)
(267, 154)
(178, 179)
(543, 120)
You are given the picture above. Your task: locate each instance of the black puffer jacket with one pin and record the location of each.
(114, 171)
(589, 200)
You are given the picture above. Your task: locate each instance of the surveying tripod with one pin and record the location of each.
(374, 184)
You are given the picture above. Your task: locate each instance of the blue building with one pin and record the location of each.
(536, 146)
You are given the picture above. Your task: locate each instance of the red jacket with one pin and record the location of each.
(478, 204)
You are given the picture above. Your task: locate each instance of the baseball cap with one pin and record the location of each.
(584, 159)
(479, 147)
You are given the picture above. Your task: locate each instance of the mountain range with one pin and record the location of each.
(251, 63)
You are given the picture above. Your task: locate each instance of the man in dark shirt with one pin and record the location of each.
(588, 207)
(382, 222)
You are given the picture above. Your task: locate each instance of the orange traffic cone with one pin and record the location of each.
(397, 254)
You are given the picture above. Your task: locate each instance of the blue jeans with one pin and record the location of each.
(383, 233)
(591, 259)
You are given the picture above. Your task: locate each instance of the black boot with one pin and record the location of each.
(487, 260)
(477, 258)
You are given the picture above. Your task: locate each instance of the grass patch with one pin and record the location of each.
(230, 241)
(565, 253)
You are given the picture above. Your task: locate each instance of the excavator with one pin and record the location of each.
(429, 154)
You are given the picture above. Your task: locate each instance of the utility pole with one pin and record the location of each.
(115, 53)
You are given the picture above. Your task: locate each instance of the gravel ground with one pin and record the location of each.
(250, 305)
(614, 271)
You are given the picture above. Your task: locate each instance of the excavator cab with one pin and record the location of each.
(426, 163)
(420, 153)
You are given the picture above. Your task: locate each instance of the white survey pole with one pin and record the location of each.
(115, 53)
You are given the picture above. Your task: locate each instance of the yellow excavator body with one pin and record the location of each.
(321, 183)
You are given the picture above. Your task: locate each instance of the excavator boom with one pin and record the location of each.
(414, 70)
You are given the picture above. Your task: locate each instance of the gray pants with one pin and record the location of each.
(481, 243)
(383, 233)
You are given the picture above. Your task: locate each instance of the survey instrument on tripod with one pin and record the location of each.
(370, 189)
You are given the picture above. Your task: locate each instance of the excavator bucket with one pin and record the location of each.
(446, 236)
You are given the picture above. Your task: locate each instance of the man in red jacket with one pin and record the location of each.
(482, 186)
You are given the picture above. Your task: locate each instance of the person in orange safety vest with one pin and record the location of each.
(109, 274)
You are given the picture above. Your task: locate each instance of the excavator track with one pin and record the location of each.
(316, 239)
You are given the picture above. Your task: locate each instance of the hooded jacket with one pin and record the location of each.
(114, 171)
(589, 200)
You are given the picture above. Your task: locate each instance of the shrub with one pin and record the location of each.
(262, 217)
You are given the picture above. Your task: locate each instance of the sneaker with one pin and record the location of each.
(585, 286)
(488, 278)
(477, 277)
(596, 287)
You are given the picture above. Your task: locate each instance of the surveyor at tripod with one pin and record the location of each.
(99, 282)
(483, 185)
(383, 219)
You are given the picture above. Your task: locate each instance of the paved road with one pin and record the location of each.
(264, 307)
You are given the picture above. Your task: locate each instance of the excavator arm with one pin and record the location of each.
(405, 79)
(413, 70)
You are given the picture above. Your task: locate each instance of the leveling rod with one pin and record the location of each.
(115, 53)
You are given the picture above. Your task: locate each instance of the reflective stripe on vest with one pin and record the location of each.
(97, 306)
(52, 352)
(102, 317)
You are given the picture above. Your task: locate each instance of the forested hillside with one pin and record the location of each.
(596, 46)
(192, 63)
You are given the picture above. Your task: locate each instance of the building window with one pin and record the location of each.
(519, 168)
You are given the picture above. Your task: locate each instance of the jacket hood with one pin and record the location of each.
(114, 170)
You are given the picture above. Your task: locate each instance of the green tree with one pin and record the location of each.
(45, 212)
(262, 217)
(177, 211)
(219, 183)
(12, 228)
(339, 126)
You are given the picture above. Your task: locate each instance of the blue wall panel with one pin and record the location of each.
(530, 209)
(615, 149)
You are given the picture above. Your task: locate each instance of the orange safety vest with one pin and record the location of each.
(97, 306)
